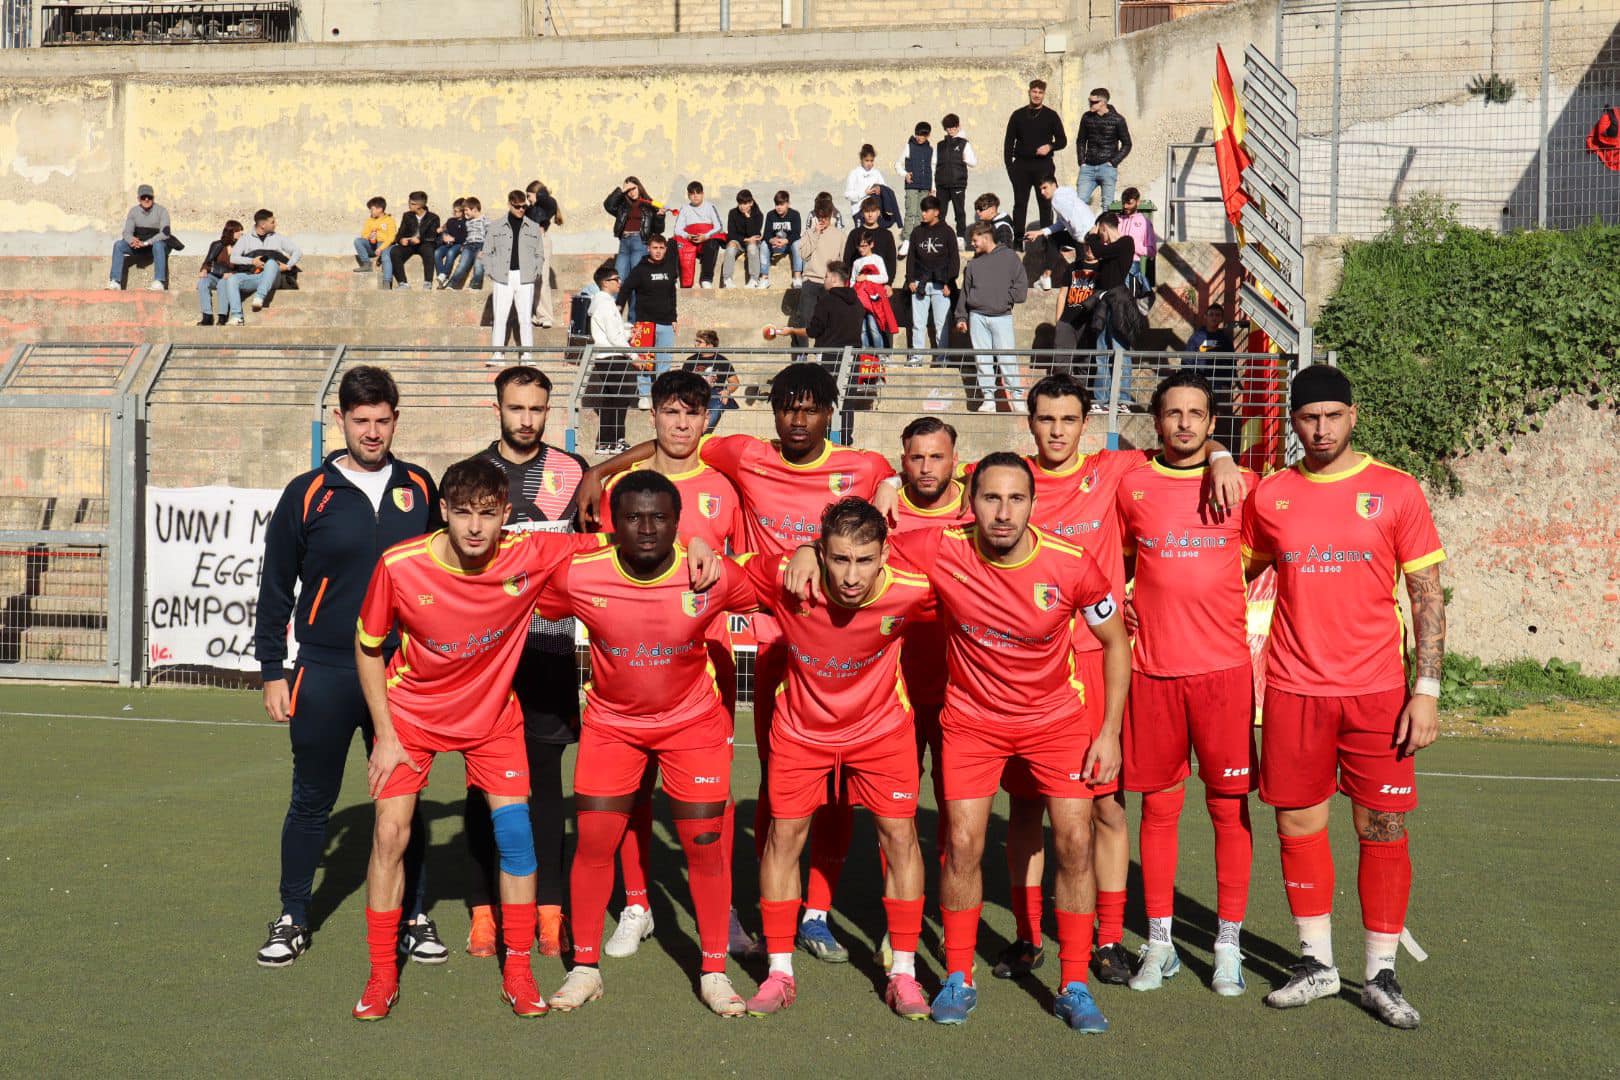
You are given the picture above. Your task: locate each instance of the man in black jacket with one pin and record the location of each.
(649, 291)
(1115, 318)
(325, 536)
(932, 264)
(1034, 134)
(1103, 142)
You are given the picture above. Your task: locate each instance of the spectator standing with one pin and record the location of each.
(1071, 220)
(452, 238)
(512, 258)
(610, 334)
(477, 236)
(1139, 227)
(636, 218)
(993, 283)
(259, 259)
(782, 232)
(699, 224)
(987, 208)
(868, 226)
(376, 235)
(953, 158)
(417, 237)
(146, 229)
(721, 375)
(1034, 135)
(544, 212)
(916, 166)
(1104, 141)
(1115, 317)
(863, 181)
(745, 231)
(821, 245)
(932, 265)
(216, 267)
(650, 291)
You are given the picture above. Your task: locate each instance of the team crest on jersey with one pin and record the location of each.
(708, 505)
(694, 603)
(514, 585)
(1047, 597)
(1089, 482)
(550, 482)
(1369, 505)
(841, 483)
(890, 623)
(405, 499)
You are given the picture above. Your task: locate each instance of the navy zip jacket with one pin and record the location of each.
(325, 538)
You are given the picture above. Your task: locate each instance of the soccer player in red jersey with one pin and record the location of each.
(1011, 595)
(461, 598)
(1192, 680)
(1341, 529)
(652, 704)
(785, 485)
(709, 509)
(843, 721)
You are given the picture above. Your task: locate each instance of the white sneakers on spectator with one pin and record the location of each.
(705, 284)
(798, 282)
(987, 406)
(1045, 283)
(258, 302)
(157, 286)
(644, 402)
(236, 320)
(441, 281)
(905, 246)
(114, 286)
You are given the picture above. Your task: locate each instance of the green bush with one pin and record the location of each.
(1458, 339)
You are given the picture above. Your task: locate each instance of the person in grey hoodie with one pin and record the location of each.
(514, 259)
(261, 256)
(146, 228)
(992, 284)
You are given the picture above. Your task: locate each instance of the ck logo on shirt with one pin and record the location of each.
(514, 585)
(694, 603)
(1047, 596)
(841, 483)
(708, 505)
(1369, 505)
(404, 498)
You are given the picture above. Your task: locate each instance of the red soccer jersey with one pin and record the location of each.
(710, 507)
(923, 658)
(1339, 544)
(1191, 609)
(782, 502)
(649, 661)
(461, 633)
(843, 684)
(1010, 643)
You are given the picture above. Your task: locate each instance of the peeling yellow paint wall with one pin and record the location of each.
(61, 155)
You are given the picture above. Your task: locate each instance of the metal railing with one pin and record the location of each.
(169, 24)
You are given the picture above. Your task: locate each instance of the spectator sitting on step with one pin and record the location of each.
(863, 181)
(1139, 227)
(376, 235)
(783, 228)
(418, 236)
(260, 259)
(868, 225)
(700, 226)
(477, 234)
(216, 267)
(146, 232)
(987, 208)
(452, 237)
(745, 231)
(1071, 220)
(1212, 336)
(721, 375)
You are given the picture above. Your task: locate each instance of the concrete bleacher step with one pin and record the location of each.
(42, 644)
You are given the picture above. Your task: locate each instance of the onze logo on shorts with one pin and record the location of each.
(1077, 776)
(1391, 789)
(705, 779)
(904, 795)
(513, 774)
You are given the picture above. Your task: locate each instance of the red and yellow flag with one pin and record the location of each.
(1230, 156)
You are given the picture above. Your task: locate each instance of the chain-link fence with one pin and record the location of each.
(1486, 103)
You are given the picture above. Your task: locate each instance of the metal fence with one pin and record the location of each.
(168, 24)
(1486, 103)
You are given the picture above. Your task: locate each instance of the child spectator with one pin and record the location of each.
(216, 267)
(863, 182)
(1211, 336)
(916, 165)
(987, 209)
(717, 371)
(376, 235)
(882, 239)
(953, 157)
(745, 230)
(698, 224)
(821, 245)
(870, 277)
(452, 238)
(650, 292)
(1139, 227)
(782, 232)
(477, 235)
(931, 269)
(544, 212)
(417, 237)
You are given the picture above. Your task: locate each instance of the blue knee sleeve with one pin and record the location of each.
(514, 840)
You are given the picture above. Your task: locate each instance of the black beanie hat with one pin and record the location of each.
(1317, 383)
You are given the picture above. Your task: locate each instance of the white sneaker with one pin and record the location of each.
(798, 282)
(1308, 979)
(705, 284)
(114, 286)
(258, 302)
(1159, 962)
(157, 286)
(1098, 407)
(496, 360)
(761, 283)
(545, 324)
(1044, 283)
(986, 407)
(905, 246)
(427, 286)
(644, 402)
(720, 996)
(635, 926)
(583, 986)
(439, 282)
(1228, 980)
(236, 320)
(1381, 996)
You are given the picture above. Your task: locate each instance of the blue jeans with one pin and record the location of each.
(928, 299)
(262, 284)
(988, 333)
(444, 257)
(632, 249)
(663, 341)
(1093, 177)
(207, 286)
(122, 252)
(364, 251)
(871, 335)
(467, 262)
(768, 255)
(717, 408)
(1102, 384)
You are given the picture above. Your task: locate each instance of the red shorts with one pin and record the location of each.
(1046, 758)
(1305, 741)
(1017, 781)
(1211, 713)
(879, 774)
(694, 759)
(496, 763)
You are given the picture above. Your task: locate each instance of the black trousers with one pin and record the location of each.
(707, 252)
(955, 201)
(1025, 174)
(405, 253)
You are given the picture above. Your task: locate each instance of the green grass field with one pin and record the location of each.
(139, 869)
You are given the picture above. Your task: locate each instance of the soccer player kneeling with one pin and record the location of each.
(652, 701)
(843, 721)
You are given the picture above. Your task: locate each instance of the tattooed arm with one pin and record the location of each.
(1420, 721)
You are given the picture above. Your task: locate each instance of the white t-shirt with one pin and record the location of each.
(374, 484)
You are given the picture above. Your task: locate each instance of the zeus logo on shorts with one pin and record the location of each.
(1391, 789)
(1235, 772)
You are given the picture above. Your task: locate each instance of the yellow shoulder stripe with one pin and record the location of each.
(366, 639)
(1438, 555)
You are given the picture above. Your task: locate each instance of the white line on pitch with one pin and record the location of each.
(144, 719)
(1563, 779)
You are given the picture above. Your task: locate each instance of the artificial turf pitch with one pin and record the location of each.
(138, 869)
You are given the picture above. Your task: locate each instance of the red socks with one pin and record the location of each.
(1307, 868)
(635, 853)
(830, 830)
(1161, 818)
(780, 921)
(1384, 880)
(961, 939)
(1110, 918)
(709, 876)
(905, 923)
(1234, 855)
(1074, 945)
(1026, 906)
(382, 942)
(590, 882)
(517, 929)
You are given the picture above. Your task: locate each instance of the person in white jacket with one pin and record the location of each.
(863, 181)
(611, 338)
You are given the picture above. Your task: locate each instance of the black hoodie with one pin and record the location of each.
(836, 322)
(653, 286)
(932, 257)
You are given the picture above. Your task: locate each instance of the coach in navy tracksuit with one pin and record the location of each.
(327, 532)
